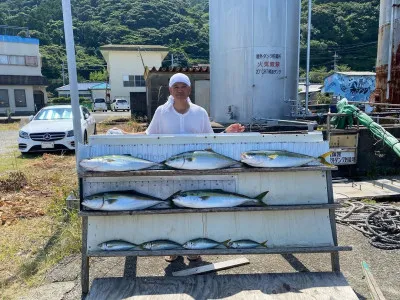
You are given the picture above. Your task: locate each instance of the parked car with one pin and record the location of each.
(51, 129)
(120, 104)
(99, 104)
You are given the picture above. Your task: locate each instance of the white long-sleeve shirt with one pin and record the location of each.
(167, 120)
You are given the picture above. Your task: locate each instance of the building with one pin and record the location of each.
(313, 91)
(354, 86)
(101, 90)
(157, 81)
(84, 90)
(126, 66)
(22, 86)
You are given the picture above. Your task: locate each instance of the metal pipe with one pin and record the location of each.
(298, 106)
(390, 51)
(73, 79)
(308, 54)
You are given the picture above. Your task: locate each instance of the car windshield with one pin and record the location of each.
(122, 102)
(99, 101)
(54, 114)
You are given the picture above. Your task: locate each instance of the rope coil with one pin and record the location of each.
(380, 223)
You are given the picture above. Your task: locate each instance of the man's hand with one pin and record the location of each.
(115, 130)
(234, 128)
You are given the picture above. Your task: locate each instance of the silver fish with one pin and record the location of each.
(200, 160)
(117, 201)
(203, 243)
(160, 245)
(117, 245)
(213, 199)
(245, 244)
(115, 163)
(280, 159)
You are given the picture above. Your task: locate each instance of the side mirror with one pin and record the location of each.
(30, 118)
(87, 116)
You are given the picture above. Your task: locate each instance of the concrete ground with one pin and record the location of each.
(385, 267)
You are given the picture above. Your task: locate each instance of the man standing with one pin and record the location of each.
(179, 115)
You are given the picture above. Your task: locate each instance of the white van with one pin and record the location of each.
(120, 104)
(99, 104)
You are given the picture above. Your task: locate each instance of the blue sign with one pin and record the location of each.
(352, 87)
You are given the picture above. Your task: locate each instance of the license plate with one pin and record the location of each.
(47, 145)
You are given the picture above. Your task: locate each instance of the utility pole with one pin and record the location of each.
(63, 73)
(335, 59)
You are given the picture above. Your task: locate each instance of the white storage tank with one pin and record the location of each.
(254, 56)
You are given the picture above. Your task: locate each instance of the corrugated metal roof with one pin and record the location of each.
(205, 69)
(355, 73)
(101, 86)
(84, 86)
(133, 47)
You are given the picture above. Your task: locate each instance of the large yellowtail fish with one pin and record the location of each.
(117, 201)
(213, 199)
(280, 159)
(115, 163)
(200, 160)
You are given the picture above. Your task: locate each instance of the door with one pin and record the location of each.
(138, 104)
(38, 100)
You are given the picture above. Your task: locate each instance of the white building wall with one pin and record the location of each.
(98, 94)
(123, 63)
(11, 99)
(20, 49)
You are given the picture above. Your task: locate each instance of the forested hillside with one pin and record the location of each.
(348, 27)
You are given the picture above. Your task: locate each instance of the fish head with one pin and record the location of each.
(231, 244)
(94, 201)
(188, 245)
(106, 246)
(176, 161)
(146, 246)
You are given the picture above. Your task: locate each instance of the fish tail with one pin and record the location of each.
(264, 244)
(323, 157)
(261, 197)
(172, 196)
(226, 243)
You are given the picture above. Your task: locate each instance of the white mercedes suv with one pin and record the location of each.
(51, 129)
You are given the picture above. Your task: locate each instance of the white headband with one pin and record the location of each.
(179, 77)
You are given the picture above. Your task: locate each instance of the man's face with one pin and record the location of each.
(180, 91)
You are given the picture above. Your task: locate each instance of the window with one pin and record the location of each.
(133, 80)
(31, 61)
(20, 98)
(16, 60)
(3, 59)
(139, 80)
(4, 98)
(19, 60)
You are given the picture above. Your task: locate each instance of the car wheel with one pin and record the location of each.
(95, 129)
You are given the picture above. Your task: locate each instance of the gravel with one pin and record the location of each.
(8, 141)
(384, 264)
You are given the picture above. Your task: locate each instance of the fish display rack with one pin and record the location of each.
(298, 216)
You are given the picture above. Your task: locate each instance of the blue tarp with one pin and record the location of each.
(354, 87)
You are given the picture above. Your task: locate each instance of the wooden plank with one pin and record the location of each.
(250, 184)
(376, 292)
(281, 228)
(334, 255)
(213, 267)
(209, 210)
(155, 172)
(225, 251)
(289, 286)
(247, 137)
(85, 258)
